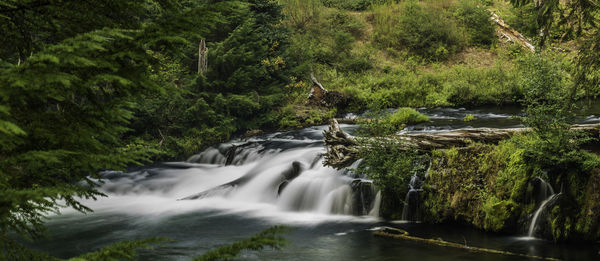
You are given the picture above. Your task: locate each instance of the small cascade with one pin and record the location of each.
(376, 205)
(351, 170)
(540, 212)
(544, 194)
(543, 189)
(364, 195)
(411, 211)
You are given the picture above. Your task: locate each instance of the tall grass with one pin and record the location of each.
(300, 13)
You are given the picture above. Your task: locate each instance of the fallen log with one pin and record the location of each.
(342, 148)
(511, 35)
(402, 234)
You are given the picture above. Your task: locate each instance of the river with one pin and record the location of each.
(278, 179)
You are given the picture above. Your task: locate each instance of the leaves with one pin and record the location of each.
(267, 238)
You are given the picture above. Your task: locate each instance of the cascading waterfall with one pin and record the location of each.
(411, 211)
(281, 172)
(545, 194)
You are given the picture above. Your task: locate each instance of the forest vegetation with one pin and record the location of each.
(96, 85)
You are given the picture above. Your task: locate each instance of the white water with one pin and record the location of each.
(538, 212)
(545, 192)
(411, 200)
(317, 194)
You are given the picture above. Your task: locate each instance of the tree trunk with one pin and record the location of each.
(342, 148)
(202, 61)
(510, 34)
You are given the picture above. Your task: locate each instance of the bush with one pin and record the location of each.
(477, 23)
(353, 5)
(422, 30)
(342, 21)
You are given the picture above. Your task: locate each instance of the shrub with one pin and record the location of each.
(477, 23)
(423, 30)
(354, 5)
(342, 21)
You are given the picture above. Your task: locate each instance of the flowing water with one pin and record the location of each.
(411, 210)
(241, 187)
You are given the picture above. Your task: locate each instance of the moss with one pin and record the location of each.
(498, 213)
(479, 185)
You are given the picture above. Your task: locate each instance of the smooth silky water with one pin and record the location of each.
(239, 188)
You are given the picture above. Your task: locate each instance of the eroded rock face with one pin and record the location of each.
(363, 196)
(489, 187)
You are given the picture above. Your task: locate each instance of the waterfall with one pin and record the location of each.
(279, 174)
(545, 194)
(411, 210)
(376, 205)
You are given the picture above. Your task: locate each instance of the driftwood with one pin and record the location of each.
(402, 234)
(342, 148)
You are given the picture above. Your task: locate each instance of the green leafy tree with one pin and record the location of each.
(577, 19)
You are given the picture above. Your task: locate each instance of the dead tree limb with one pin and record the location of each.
(510, 34)
(402, 234)
(342, 148)
(202, 57)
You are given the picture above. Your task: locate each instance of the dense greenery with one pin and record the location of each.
(85, 88)
(493, 187)
(93, 85)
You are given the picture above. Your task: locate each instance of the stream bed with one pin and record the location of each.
(239, 188)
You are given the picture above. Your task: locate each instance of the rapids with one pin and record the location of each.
(236, 189)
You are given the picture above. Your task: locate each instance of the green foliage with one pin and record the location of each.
(469, 118)
(301, 13)
(354, 5)
(267, 238)
(477, 22)
(407, 116)
(424, 30)
(385, 124)
(111, 85)
(454, 86)
(342, 21)
(12, 250)
(390, 166)
(125, 250)
(72, 102)
(549, 112)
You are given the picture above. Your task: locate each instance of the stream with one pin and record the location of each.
(241, 187)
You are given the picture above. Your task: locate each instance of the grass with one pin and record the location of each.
(359, 53)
